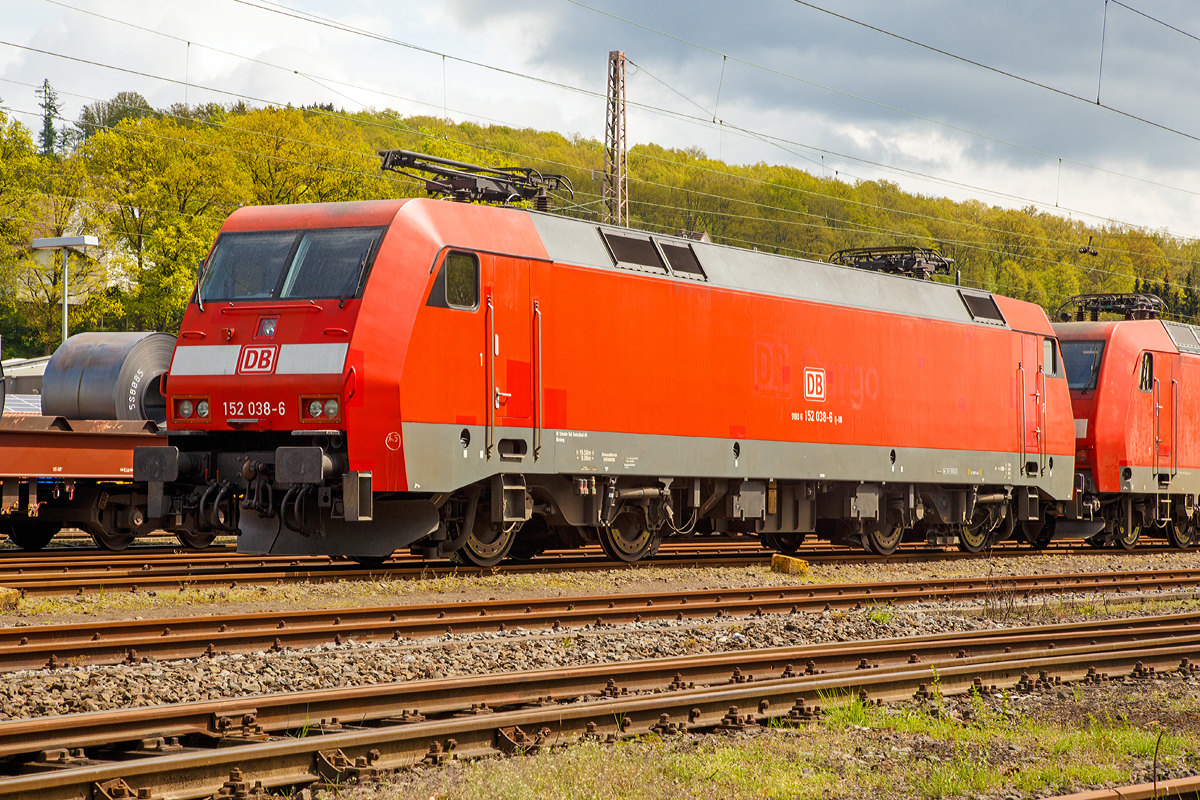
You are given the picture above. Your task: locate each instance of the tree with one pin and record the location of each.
(48, 100)
(164, 189)
(103, 114)
(291, 156)
(21, 172)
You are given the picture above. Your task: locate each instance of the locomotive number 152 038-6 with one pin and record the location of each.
(252, 408)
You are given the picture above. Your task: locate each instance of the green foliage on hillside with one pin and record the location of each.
(156, 185)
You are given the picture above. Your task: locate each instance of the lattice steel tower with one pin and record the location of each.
(616, 164)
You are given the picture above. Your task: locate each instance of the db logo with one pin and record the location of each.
(814, 384)
(257, 359)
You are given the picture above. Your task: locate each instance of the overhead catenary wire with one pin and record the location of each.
(761, 137)
(876, 103)
(790, 211)
(862, 227)
(1005, 73)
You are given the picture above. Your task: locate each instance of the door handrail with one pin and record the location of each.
(537, 408)
(1174, 427)
(490, 439)
(1021, 411)
(1042, 429)
(1157, 396)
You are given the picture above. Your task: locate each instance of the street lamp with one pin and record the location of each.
(64, 243)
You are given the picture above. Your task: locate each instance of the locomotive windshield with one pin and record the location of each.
(1082, 360)
(327, 263)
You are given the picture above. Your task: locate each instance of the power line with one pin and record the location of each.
(1155, 19)
(998, 71)
(876, 103)
(843, 200)
(775, 141)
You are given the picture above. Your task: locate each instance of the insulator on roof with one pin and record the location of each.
(915, 262)
(1131, 305)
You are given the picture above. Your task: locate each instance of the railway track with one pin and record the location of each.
(89, 571)
(52, 646)
(191, 750)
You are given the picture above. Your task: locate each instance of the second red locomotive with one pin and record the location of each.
(1135, 388)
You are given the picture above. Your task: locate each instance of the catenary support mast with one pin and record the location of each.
(616, 164)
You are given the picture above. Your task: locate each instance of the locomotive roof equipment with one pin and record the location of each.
(471, 183)
(915, 262)
(1132, 305)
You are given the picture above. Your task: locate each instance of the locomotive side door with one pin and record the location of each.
(1166, 396)
(1031, 388)
(508, 354)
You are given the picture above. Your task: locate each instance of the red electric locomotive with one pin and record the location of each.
(476, 381)
(1135, 388)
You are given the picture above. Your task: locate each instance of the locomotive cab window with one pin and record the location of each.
(1082, 360)
(1049, 358)
(462, 280)
(298, 264)
(330, 263)
(1146, 383)
(457, 282)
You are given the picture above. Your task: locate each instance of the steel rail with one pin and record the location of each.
(340, 757)
(76, 573)
(1176, 789)
(85, 582)
(281, 712)
(89, 643)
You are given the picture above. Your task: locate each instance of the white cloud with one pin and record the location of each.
(1148, 69)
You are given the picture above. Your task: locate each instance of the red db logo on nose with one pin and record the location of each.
(257, 359)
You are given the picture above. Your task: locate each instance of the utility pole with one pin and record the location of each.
(616, 163)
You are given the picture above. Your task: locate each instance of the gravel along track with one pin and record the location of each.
(442, 697)
(340, 756)
(52, 646)
(55, 574)
(67, 690)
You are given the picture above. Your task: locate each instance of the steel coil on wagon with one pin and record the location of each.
(104, 375)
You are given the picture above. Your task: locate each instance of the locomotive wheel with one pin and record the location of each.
(1126, 539)
(1096, 541)
(1038, 534)
(788, 543)
(627, 541)
(29, 534)
(487, 545)
(370, 561)
(112, 540)
(1179, 534)
(974, 539)
(195, 540)
(884, 538)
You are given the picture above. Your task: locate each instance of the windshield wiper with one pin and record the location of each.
(1092, 370)
(362, 263)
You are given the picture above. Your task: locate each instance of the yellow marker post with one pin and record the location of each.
(788, 565)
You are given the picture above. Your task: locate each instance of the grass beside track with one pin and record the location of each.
(958, 748)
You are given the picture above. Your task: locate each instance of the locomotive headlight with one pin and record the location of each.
(185, 409)
(201, 408)
(314, 408)
(331, 408)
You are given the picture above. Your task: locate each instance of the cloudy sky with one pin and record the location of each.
(786, 81)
